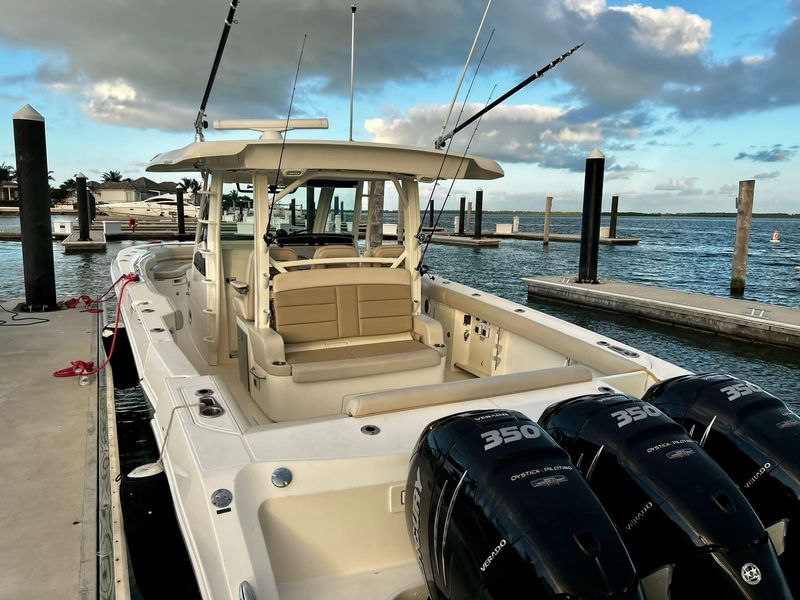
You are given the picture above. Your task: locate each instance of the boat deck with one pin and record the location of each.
(48, 443)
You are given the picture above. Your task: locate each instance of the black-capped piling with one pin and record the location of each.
(592, 211)
(34, 209)
(84, 218)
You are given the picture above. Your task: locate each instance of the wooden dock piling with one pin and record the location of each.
(744, 216)
(548, 208)
(310, 208)
(83, 207)
(34, 218)
(179, 206)
(592, 210)
(612, 226)
(478, 213)
(461, 216)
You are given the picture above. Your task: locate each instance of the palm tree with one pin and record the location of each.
(7, 173)
(111, 176)
(190, 184)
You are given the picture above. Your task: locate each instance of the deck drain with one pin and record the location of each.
(281, 477)
(370, 430)
(221, 498)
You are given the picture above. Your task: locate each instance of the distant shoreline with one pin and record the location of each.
(540, 213)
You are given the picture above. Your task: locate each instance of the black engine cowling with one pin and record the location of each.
(496, 511)
(681, 517)
(755, 438)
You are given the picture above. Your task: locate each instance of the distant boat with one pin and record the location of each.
(160, 207)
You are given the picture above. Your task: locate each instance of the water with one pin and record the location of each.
(691, 254)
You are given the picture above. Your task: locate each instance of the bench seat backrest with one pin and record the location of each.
(328, 304)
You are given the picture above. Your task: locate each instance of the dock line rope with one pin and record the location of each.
(17, 321)
(89, 302)
(84, 368)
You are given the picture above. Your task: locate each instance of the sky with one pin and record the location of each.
(685, 99)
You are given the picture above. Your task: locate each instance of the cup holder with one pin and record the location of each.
(210, 408)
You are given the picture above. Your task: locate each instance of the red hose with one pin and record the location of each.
(84, 368)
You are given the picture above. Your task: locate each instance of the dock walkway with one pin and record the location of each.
(48, 443)
(745, 319)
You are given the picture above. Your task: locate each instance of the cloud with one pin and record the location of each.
(685, 186)
(776, 153)
(617, 171)
(636, 56)
(670, 29)
(728, 189)
(511, 133)
(770, 175)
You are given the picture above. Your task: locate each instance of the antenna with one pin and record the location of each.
(439, 143)
(352, 64)
(283, 143)
(200, 121)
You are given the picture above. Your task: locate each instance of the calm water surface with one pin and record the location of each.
(691, 254)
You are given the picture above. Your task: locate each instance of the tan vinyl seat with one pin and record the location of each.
(335, 252)
(375, 403)
(354, 305)
(388, 251)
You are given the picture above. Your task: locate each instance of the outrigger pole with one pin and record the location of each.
(200, 122)
(441, 140)
(464, 72)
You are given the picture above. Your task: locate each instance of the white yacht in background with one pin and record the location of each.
(157, 208)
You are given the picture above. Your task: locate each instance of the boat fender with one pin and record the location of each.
(158, 556)
(123, 366)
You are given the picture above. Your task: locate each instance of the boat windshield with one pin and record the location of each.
(322, 211)
(321, 207)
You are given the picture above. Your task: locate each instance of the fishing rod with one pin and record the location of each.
(274, 188)
(440, 141)
(464, 72)
(422, 268)
(200, 122)
(447, 151)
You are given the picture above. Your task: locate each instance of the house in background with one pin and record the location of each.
(9, 192)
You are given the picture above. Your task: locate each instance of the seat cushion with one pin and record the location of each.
(342, 303)
(345, 362)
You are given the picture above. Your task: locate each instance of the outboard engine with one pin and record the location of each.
(496, 511)
(755, 438)
(689, 529)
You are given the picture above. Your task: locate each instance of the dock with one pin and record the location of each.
(561, 237)
(96, 242)
(467, 241)
(745, 319)
(50, 472)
